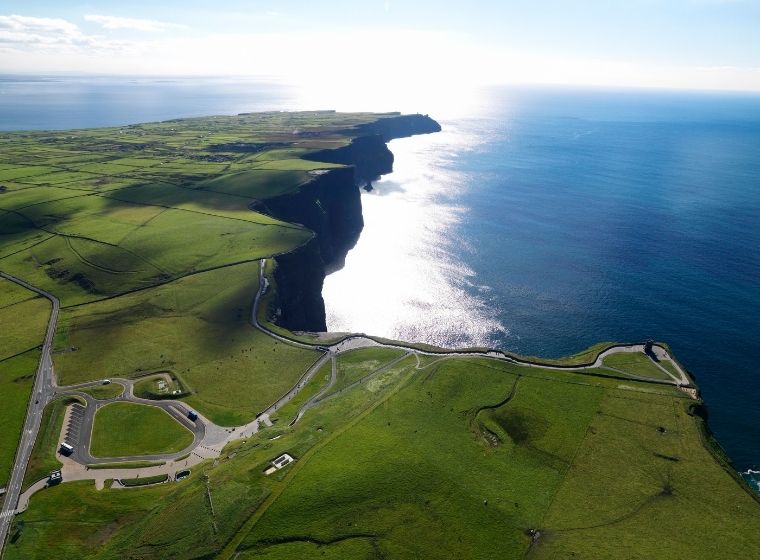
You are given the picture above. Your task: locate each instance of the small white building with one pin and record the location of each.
(281, 461)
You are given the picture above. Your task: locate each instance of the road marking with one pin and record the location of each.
(7, 514)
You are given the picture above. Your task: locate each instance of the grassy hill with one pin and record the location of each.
(149, 237)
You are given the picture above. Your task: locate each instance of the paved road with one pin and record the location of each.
(355, 341)
(209, 438)
(44, 388)
(81, 435)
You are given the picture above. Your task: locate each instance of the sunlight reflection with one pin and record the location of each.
(404, 278)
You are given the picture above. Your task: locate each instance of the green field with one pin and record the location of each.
(104, 392)
(126, 465)
(44, 457)
(636, 363)
(124, 429)
(197, 328)
(359, 365)
(147, 235)
(16, 381)
(469, 454)
(19, 356)
(150, 387)
(144, 481)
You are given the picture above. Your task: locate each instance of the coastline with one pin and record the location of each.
(744, 478)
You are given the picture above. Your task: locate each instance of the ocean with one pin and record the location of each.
(540, 221)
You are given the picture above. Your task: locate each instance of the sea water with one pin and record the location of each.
(540, 221)
(549, 220)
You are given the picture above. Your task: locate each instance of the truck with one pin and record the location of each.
(65, 449)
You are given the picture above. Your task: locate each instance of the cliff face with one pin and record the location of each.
(330, 206)
(299, 277)
(368, 152)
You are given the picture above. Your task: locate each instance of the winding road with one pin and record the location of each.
(209, 438)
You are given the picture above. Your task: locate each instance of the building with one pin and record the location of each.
(279, 463)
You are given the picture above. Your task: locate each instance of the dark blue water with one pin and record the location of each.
(626, 216)
(583, 216)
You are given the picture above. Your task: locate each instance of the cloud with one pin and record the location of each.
(30, 33)
(135, 24)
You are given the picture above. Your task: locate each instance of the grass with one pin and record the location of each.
(19, 356)
(17, 336)
(148, 388)
(144, 481)
(126, 465)
(145, 234)
(44, 457)
(358, 364)
(124, 429)
(409, 458)
(16, 381)
(104, 392)
(637, 363)
(320, 380)
(196, 329)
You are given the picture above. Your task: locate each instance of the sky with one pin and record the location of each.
(692, 44)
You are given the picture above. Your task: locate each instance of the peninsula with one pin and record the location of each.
(170, 390)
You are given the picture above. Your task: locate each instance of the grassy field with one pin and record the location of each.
(145, 481)
(104, 392)
(19, 356)
(469, 454)
(16, 381)
(146, 235)
(360, 364)
(126, 465)
(44, 457)
(151, 388)
(636, 363)
(198, 329)
(124, 429)
(320, 380)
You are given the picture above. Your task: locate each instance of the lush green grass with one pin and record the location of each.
(123, 429)
(145, 481)
(104, 392)
(458, 459)
(637, 363)
(358, 364)
(583, 357)
(126, 465)
(148, 388)
(16, 382)
(44, 459)
(668, 365)
(198, 329)
(408, 459)
(18, 336)
(23, 320)
(314, 386)
(257, 184)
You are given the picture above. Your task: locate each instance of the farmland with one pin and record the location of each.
(152, 236)
(480, 458)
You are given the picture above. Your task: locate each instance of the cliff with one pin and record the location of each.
(368, 152)
(330, 206)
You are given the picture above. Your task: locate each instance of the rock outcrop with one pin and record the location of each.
(330, 206)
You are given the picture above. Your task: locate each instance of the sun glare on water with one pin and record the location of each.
(403, 279)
